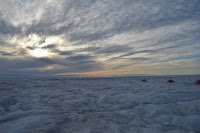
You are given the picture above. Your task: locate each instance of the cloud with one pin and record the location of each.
(79, 58)
(65, 52)
(138, 59)
(53, 48)
(6, 28)
(114, 49)
(6, 54)
(44, 66)
(90, 35)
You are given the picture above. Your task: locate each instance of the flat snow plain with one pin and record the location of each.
(100, 105)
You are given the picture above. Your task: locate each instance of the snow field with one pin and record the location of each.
(96, 105)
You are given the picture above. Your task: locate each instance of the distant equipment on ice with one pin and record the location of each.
(170, 81)
(144, 80)
(197, 82)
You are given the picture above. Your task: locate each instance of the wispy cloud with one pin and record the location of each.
(86, 36)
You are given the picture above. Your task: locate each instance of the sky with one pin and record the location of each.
(99, 38)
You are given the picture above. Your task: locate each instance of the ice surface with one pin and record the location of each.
(100, 105)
